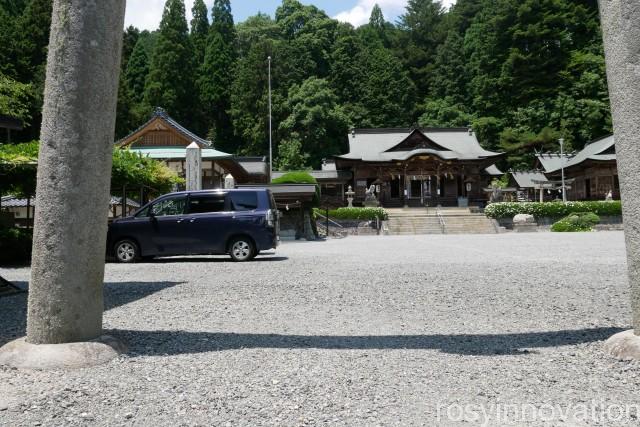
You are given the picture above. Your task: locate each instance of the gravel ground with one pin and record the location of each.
(406, 330)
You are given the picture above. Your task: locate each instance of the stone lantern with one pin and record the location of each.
(350, 193)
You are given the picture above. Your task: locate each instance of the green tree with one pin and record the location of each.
(521, 145)
(377, 31)
(443, 113)
(216, 76)
(421, 35)
(171, 71)
(199, 29)
(15, 99)
(376, 20)
(32, 39)
(316, 126)
(132, 109)
(10, 11)
(137, 69)
(308, 34)
(386, 90)
(451, 78)
(249, 106)
(129, 41)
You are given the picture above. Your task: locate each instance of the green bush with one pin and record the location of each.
(299, 177)
(15, 246)
(356, 214)
(552, 209)
(579, 221)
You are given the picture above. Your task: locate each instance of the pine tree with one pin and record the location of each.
(171, 71)
(422, 33)
(451, 76)
(10, 10)
(249, 105)
(387, 93)
(216, 76)
(32, 38)
(376, 32)
(222, 22)
(137, 69)
(376, 20)
(129, 41)
(199, 29)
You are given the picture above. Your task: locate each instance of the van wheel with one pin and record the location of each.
(126, 251)
(241, 249)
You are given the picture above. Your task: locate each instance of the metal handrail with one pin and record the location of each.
(323, 223)
(324, 218)
(443, 224)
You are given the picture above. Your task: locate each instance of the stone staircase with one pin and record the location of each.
(468, 223)
(413, 221)
(423, 221)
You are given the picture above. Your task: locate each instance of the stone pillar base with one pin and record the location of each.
(21, 354)
(624, 346)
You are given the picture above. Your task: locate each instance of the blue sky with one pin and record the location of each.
(146, 14)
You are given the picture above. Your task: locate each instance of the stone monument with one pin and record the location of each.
(194, 167)
(621, 31)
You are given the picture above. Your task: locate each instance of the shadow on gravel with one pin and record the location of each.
(221, 258)
(13, 309)
(154, 343)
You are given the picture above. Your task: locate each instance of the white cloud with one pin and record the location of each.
(146, 14)
(360, 13)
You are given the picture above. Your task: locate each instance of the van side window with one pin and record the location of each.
(143, 213)
(205, 203)
(243, 201)
(172, 206)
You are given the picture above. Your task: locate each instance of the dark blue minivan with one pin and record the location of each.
(240, 223)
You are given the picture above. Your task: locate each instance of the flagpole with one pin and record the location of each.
(270, 138)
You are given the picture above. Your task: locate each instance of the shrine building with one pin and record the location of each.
(419, 167)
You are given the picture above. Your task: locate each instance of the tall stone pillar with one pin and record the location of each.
(621, 31)
(74, 170)
(194, 167)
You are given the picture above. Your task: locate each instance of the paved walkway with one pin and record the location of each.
(394, 330)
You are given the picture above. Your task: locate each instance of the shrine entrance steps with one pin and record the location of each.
(412, 221)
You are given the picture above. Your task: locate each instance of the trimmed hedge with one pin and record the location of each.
(15, 246)
(552, 209)
(296, 177)
(359, 214)
(580, 221)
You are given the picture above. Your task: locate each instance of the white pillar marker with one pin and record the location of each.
(194, 167)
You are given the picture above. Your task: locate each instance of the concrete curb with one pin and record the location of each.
(20, 354)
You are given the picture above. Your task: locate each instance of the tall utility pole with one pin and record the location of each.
(270, 138)
(564, 188)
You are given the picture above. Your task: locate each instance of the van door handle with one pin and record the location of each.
(192, 220)
(180, 220)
